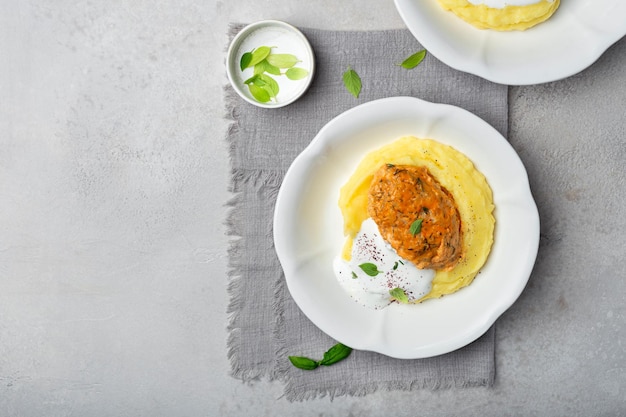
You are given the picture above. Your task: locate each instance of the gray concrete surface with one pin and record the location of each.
(113, 184)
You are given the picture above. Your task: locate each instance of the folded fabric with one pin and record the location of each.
(266, 326)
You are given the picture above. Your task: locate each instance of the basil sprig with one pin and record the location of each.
(333, 355)
(304, 363)
(399, 295)
(296, 73)
(416, 227)
(282, 60)
(414, 60)
(370, 269)
(352, 81)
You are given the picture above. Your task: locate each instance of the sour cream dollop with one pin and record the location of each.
(500, 4)
(370, 250)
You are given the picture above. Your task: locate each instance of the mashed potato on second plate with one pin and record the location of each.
(502, 15)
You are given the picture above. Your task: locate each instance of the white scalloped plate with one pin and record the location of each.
(308, 230)
(571, 40)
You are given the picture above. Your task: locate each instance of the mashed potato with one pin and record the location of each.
(458, 175)
(502, 14)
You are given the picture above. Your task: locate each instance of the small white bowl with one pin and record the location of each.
(283, 38)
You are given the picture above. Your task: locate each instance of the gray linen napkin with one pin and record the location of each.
(265, 324)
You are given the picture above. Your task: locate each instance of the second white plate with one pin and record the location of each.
(570, 41)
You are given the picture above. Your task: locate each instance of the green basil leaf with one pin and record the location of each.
(259, 93)
(245, 60)
(335, 354)
(414, 60)
(251, 79)
(370, 269)
(301, 362)
(283, 60)
(265, 66)
(296, 73)
(259, 68)
(399, 295)
(354, 275)
(270, 84)
(257, 80)
(416, 227)
(352, 81)
(259, 55)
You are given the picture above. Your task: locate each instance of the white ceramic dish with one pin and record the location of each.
(284, 39)
(570, 41)
(308, 230)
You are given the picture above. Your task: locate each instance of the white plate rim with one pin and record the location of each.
(306, 205)
(570, 41)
